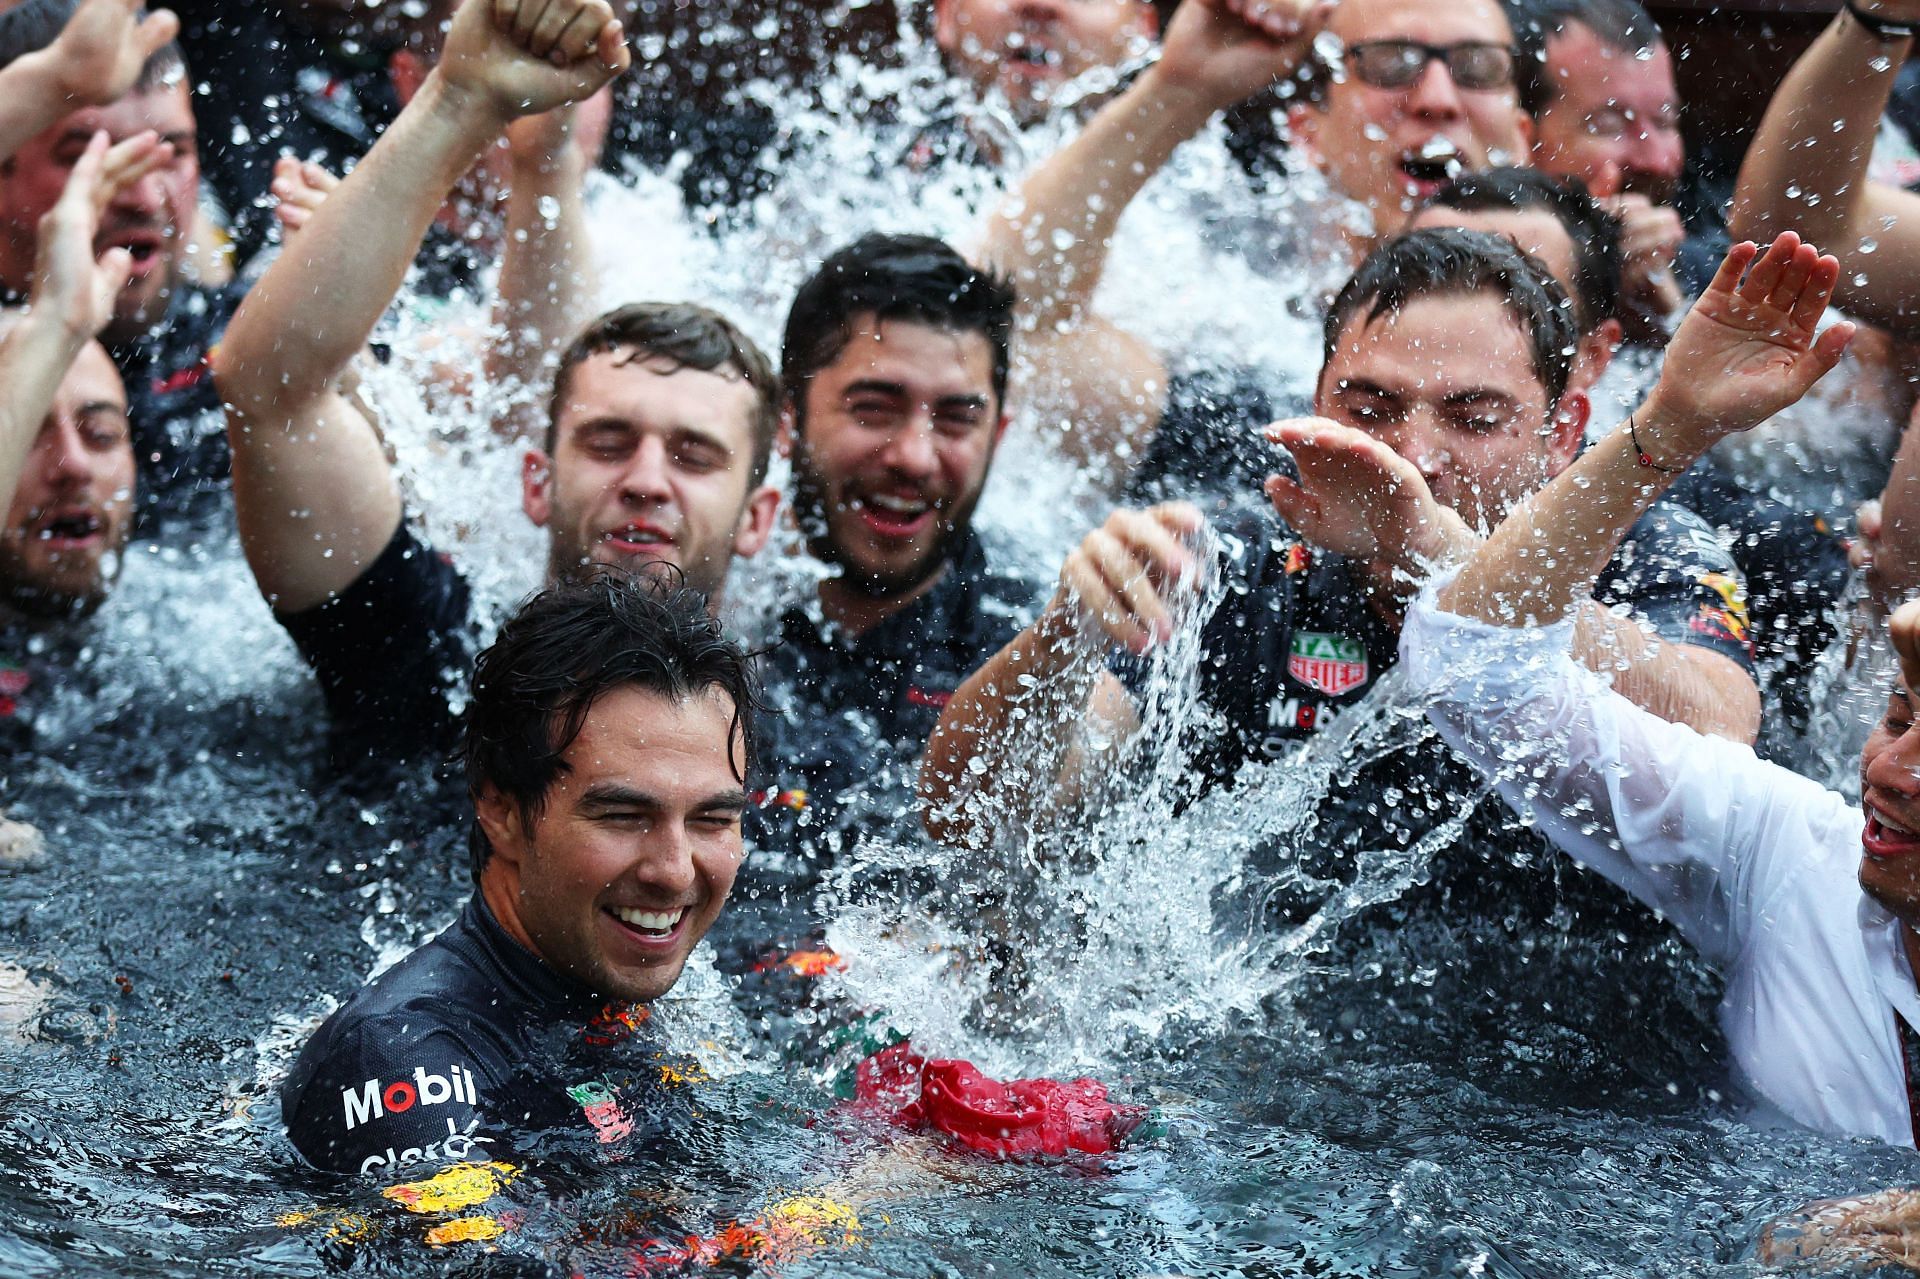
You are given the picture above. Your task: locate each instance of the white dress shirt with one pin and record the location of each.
(1756, 865)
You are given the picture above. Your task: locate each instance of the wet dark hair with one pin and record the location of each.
(1595, 232)
(1446, 262)
(1624, 26)
(892, 277)
(569, 646)
(36, 24)
(684, 336)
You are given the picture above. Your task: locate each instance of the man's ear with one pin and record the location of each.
(756, 522)
(946, 26)
(406, 72)
(1000, 428)
(1567, 429)
(1524, 123)
(500, 823)
(1303, 127)
(536, 486)
(1594, 354)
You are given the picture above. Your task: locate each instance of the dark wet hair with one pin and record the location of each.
(892, 277)
(1446, 262)
(1595, 232)
(684, 336)
(36, 24)
(1624, 26)
(569, 646)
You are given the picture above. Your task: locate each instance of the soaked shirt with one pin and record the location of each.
(1755, 865)
(390, 652)
(850, 716)
(1294, 642)
(467, 1047)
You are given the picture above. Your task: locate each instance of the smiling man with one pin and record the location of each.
(606, 750)
(895, 365)
(660, 424)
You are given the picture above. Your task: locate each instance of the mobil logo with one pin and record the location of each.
(376, 1100)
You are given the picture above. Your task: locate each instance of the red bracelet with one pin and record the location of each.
(1646, 458)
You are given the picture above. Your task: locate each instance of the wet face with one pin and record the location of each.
(72, 512)
(892, 456)
(151, 218)
(1026, 49)
(1391, 148)
(1610, 109)
(1449, 384)
(627, 864)
(1535, 231)
(1890, 784)
(650, 463)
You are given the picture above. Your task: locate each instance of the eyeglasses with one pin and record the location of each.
(1399, 64)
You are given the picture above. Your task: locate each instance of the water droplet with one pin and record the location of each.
(549, 209)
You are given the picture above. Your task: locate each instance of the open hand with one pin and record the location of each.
(1232, 49)
(524, 57)
(69, 282)
(102, 49)
(1358, 498)
(1748, 349)
(1122, 580)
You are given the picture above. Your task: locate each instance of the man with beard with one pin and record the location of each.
(163, 324)
(66, 460)
(895, 366)
(1026, 51)
(1607, 111)
(661, 420)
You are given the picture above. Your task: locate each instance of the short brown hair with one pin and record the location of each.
(685, 336)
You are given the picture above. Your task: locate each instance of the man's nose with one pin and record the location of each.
(910, 451)
(1656, 153)
(667, 870)
(1897, 769)
(147, 196)
(646, 476)
(1435, 93)
(69, 463)
(1037, 12)
(1416, 439)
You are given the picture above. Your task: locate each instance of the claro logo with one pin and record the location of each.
(374, 1100)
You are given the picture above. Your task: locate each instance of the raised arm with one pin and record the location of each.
(1053, 234)
(1747, 350)
(316, 497)
(1807, 168)
(1018, 729)
(73, 293)
(95, 60)
(545, 294)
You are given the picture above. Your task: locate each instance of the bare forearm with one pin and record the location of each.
(35, 354)
(318, 302)
(1022, 694)
(1807, 168)
(1681, 683)
(1539, 566)
(1076, 198)
(544, 294)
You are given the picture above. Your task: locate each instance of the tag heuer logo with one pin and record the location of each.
(1333, 664)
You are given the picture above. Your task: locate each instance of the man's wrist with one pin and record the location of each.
(1667, 440)
(1883, 29)
(465, 107)
(52, 331)
(1444, 540)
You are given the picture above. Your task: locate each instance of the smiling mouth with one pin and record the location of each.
(638, 538)
(891, 516)
(652, 925)
(71, 529)
(1884, 839)
(1432, 166)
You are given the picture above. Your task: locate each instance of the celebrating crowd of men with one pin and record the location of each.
(1522, 174)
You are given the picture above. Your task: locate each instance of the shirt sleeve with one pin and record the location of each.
(1680, 820)
(390, 649)
(390, 1105)
(1678, 580)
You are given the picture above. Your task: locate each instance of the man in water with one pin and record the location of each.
(163, 324)
(606, 747)
(1454, 350)
(1606, 110)
(66, 458)
(895, 362)
(1415, 94)
(660, 424)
